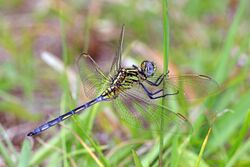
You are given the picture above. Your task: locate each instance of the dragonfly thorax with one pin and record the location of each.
(119, 78)
(126, 78)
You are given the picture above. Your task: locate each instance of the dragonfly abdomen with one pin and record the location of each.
(64, 116)
(111, 93)
(51, 123)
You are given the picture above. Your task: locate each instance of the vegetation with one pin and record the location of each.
(39, 43)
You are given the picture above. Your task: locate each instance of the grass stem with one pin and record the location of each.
(165, 68)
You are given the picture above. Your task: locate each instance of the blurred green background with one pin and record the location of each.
(40, 40)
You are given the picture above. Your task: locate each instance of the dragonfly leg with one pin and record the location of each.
(158, 80)
(151, 94)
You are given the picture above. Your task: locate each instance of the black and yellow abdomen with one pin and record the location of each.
(112, 92)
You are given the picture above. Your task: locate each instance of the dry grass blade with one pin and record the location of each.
(57, 149)
(85, 146)
(203, 148)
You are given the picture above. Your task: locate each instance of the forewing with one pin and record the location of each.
(191, 86)
(116, 64)
(93, 78)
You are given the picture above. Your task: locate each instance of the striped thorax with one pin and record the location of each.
(126, 78)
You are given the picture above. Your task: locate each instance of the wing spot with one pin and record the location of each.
(182, 117)
(205, 77)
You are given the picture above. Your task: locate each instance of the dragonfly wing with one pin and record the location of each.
(116, 64)
(144, 114)
(94, 85)
(191, 86)
(93, 78)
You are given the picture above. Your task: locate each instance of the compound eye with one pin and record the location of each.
(150, 68)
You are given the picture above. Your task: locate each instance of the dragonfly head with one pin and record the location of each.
(148, 68)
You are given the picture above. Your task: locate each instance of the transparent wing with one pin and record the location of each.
(146, 115)
(116, 64)
(190, 86)
(93, 78)
(94, 85)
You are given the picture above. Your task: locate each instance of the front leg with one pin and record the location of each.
(158, 80)
(151, 95)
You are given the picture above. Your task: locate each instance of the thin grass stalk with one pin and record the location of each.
(88, 149)
(197, 164)
(95, 146)
(5, 155)
(8, 141)
(165, 68)
(242, 134)
(136, 159)
(87, 27)
(241, 152)
(63, 138)
(25, 154)
(223, 62)
(65, 82)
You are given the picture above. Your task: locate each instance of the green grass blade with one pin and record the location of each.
(165, 68)
(86, 136)
(165, 34)
(44, 152)
(5, 155)
(63, 137)
(136, 159)
(189, 158)
(6, 138)
(223, 67)
(240, 137)
(90, 152)
(63, 37)
(174, 151)
(224, 126)
(13, 106)
(25, 154)
(245, 147)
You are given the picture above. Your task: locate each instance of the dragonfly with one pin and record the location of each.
(135, 92)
